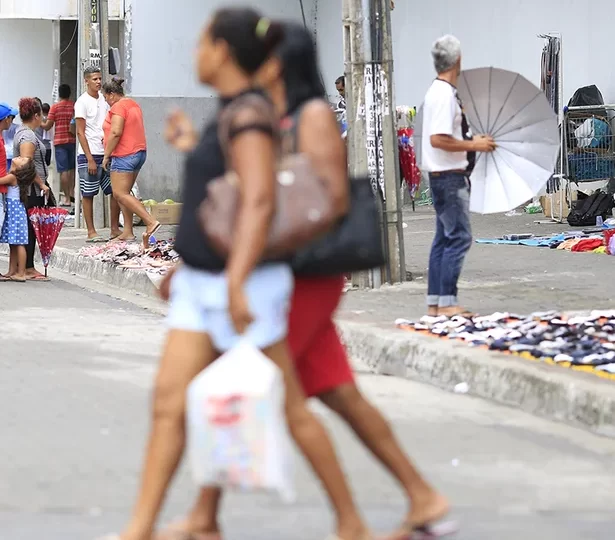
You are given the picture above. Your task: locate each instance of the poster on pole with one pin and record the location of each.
(55, 97)
(376, 106)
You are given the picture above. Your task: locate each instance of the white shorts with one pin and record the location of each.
(199, 303)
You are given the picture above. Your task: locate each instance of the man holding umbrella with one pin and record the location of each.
(449, 151)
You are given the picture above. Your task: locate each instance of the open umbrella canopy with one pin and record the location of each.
(518, 116)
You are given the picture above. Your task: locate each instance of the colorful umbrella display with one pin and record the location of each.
(47, 224)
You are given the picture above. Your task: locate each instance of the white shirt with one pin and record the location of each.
(93, 111)
(441, 116)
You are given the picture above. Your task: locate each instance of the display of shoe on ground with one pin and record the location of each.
(581, 342)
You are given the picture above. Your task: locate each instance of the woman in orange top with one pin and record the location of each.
(126, 152)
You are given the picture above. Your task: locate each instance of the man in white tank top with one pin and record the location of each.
(448, 153)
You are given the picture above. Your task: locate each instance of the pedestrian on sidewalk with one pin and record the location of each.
(233, 46)
(47, 135)
(90, 113)
(28, 144)
(292, 79)
(7, 113)
(449, 152)
(60, 116)
(15, 227)
(125, 155)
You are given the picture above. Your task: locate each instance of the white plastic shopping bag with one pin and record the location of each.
(236, 424)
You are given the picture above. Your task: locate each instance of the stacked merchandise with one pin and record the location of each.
(158, 259)
(597, 240)
(582, 343)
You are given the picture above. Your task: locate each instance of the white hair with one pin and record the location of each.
(446, 52)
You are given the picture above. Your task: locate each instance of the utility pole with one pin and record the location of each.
(372, 132)
(93, 49)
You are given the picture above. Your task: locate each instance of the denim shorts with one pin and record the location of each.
(129, 163)
(199, 303)
(65, 157)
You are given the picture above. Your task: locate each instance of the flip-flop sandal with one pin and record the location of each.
(466, 314)
(435, 530)
(176, 532)
(95, 240)
(17, 280)
(38, 278)
(127, 240)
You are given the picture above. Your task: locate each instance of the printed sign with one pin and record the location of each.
(95, 58)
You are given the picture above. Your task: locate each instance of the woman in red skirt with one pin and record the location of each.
(293, 81)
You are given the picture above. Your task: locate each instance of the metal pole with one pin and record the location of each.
(356, 40)
(83, 53)
(372, 135)
(392, 176)
(104, 66)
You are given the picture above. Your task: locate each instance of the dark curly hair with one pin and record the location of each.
(26, 174)
(28, 108)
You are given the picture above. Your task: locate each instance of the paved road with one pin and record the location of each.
(495, 277)
(76, 368)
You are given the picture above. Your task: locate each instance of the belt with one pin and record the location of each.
(444, 173)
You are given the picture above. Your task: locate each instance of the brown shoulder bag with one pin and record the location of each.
(304, 208)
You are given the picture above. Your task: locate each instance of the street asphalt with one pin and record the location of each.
(76, 372)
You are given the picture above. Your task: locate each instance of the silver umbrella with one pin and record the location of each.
(518, 116)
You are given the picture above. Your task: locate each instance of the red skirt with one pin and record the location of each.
(320, 358)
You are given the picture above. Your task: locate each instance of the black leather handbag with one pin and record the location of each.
(354, 244)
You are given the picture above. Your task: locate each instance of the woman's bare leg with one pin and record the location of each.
(122, 183)
(186, 354)
(20, 256)
(316, 446)
(367, 422)
(12, 261)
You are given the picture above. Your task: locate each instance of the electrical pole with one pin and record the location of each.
(372, 132)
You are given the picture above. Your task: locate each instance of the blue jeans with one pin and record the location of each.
(451, 199)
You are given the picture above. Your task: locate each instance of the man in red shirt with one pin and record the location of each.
(7, 113)
(60, 116)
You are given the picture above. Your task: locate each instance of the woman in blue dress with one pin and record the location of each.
(15, 228)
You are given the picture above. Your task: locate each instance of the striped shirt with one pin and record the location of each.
(62, 113)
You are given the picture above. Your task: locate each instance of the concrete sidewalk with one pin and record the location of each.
(496, 278)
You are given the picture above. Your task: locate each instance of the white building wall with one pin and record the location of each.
(27, 60)
(164, 41)
(504, 34)
(51, 9)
